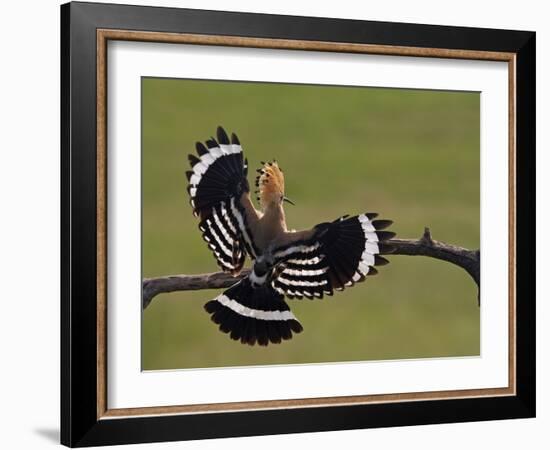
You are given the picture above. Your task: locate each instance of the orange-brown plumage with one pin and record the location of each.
(271, 184)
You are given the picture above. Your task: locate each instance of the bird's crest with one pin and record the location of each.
(270, 183)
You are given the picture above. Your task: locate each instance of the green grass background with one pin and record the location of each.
(411, 155)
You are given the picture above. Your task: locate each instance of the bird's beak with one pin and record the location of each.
(286, 199)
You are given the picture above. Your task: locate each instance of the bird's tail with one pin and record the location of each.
(253, 314)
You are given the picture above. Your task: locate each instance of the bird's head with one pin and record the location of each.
(271, 185)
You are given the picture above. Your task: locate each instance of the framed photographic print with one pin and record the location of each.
(276, 224)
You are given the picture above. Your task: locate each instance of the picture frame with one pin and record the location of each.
(86, 418)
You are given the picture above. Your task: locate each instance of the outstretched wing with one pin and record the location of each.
(219, 194)
(331, 256)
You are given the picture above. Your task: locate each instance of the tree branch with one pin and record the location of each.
(469, 260)
(172, 283)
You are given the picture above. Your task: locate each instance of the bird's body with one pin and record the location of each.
(296, 264)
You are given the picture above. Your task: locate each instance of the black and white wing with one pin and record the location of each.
(219, 194)
(331, 257)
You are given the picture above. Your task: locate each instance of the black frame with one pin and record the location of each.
(79, 423)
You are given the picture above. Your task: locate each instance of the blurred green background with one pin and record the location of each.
(411, 155)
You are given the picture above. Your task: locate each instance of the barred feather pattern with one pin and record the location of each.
(340, 254)
(217, 181)
(253, 314)
(218, 173)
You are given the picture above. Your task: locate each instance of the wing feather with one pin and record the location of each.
(331, 257)
(220, 196)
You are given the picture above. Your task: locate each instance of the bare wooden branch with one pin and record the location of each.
(172, 283)
(469, 260)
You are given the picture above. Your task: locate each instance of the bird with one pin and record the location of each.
(290, 264)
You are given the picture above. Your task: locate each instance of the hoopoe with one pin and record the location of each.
(293, 264)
